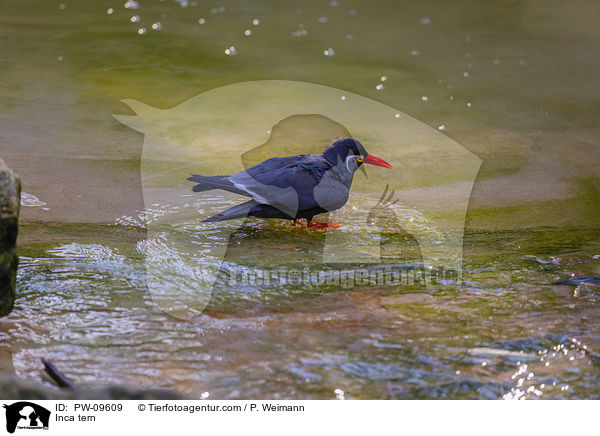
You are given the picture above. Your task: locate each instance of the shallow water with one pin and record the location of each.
(514, 83)
(504, 334)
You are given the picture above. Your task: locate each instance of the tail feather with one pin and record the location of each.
(207, 183)
(239, 211)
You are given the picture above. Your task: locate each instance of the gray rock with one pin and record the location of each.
(10, 197)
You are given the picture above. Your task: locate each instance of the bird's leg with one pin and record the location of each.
(318, 225)
(297, 223)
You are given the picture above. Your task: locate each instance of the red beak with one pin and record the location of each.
(376, 161)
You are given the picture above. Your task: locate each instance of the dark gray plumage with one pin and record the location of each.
(293, 187)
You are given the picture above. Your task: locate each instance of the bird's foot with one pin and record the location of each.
(319, 226)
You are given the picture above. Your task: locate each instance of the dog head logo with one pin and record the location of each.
(26, 415)
(229, 129)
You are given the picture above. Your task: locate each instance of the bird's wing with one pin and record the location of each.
(287, 187)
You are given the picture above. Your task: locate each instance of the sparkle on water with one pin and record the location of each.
(131, 4)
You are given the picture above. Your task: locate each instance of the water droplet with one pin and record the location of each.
(353, 12)
(329, 52)
(424, 98)
(415, 52)
(451, 98)
(255, 22)
(156, 26)
(442, 127)
(349, 36)
(397, 115)
(496, 61)
(247, 32)
(135, 19)
(465, 74)
(201, 21)
(333, 3)
(383, 78)
(343, 97)
(425, 20)
(62, 6)
(468, 104)
(231, 51)
(131, 4)
(142, 31)
(300, 32)
(379, 87)
(109, 11)
(521, 62)
(60, 58)
(323, 19)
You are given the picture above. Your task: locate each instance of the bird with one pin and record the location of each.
(293, 187)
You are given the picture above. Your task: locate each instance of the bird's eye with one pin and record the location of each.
(359, 159)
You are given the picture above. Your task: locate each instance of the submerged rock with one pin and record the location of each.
(10, 193)
(13, 387)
